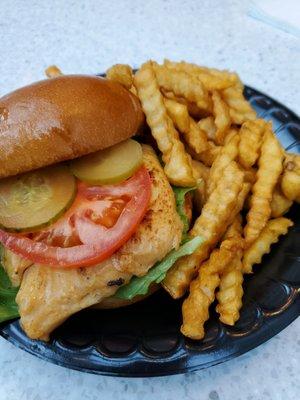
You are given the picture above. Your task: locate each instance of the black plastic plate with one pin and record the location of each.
(144, 339)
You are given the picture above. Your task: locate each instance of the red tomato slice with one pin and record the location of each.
(89, 242)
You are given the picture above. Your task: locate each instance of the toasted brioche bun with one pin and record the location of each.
(63, 118)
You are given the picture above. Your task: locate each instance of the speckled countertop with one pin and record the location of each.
(87, 37)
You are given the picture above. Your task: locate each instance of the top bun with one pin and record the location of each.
(63, 118)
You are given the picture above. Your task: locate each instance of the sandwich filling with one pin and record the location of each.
(49, 293)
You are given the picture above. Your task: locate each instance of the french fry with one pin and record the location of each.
(251, 134)
(179, 114)
(196, 138)
(199, 147)
(270, 168)
(122, 74)
(201, 173)
(153, 106)
(178, 166)
(250, 175)
(230, 291)
(192, 107)
(235, 229)
(290, 182)
(280, 205)
(195, 309)
(233, 131)
(193, 135)
(262, 245)
(222, 117)
(228, 153)
(239, 108)
(209, 127)
(177, 162)
(209, 155)
(241, 200)
(53, 71)
(183, 85)
(211, 78)
(211, 225)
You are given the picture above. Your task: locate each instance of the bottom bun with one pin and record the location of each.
(114, 302)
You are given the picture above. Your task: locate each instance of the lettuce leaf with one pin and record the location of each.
(140, 285)
(180, 193)
(8, 305)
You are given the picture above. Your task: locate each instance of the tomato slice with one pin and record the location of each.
(85, 236)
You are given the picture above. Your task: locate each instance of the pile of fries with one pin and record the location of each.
(209, 136)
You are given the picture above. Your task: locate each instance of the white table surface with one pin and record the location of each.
(87, 37)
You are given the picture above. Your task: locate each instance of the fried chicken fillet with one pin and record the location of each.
(49, 295)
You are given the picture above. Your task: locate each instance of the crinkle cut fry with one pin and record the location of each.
(211, 78)
(194, 136)
(250, 175)
(228, 153)
(201, 192)
(183, 85)
(240, 201)
(270, 168)
(178, 167)
(192, 107)
(177, 162)
(262, 245)
(239, 108)
(216, 215)
(121, 73)
(209, 155)
(208, 126)
(201, 173)
(251, 134)
(280, 205)
(235, 229)
(222, 117)
(179, 114)
(230, 291)
(290, 182)
(195, 309)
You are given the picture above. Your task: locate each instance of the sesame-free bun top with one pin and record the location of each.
(63, 118)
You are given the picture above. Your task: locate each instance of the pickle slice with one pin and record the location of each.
(35, 199)
(111, 165)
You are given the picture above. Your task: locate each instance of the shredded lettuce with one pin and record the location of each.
(8, 305)
(140, 285)
(180, 193)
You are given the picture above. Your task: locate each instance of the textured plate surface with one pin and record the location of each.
(144, 339)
